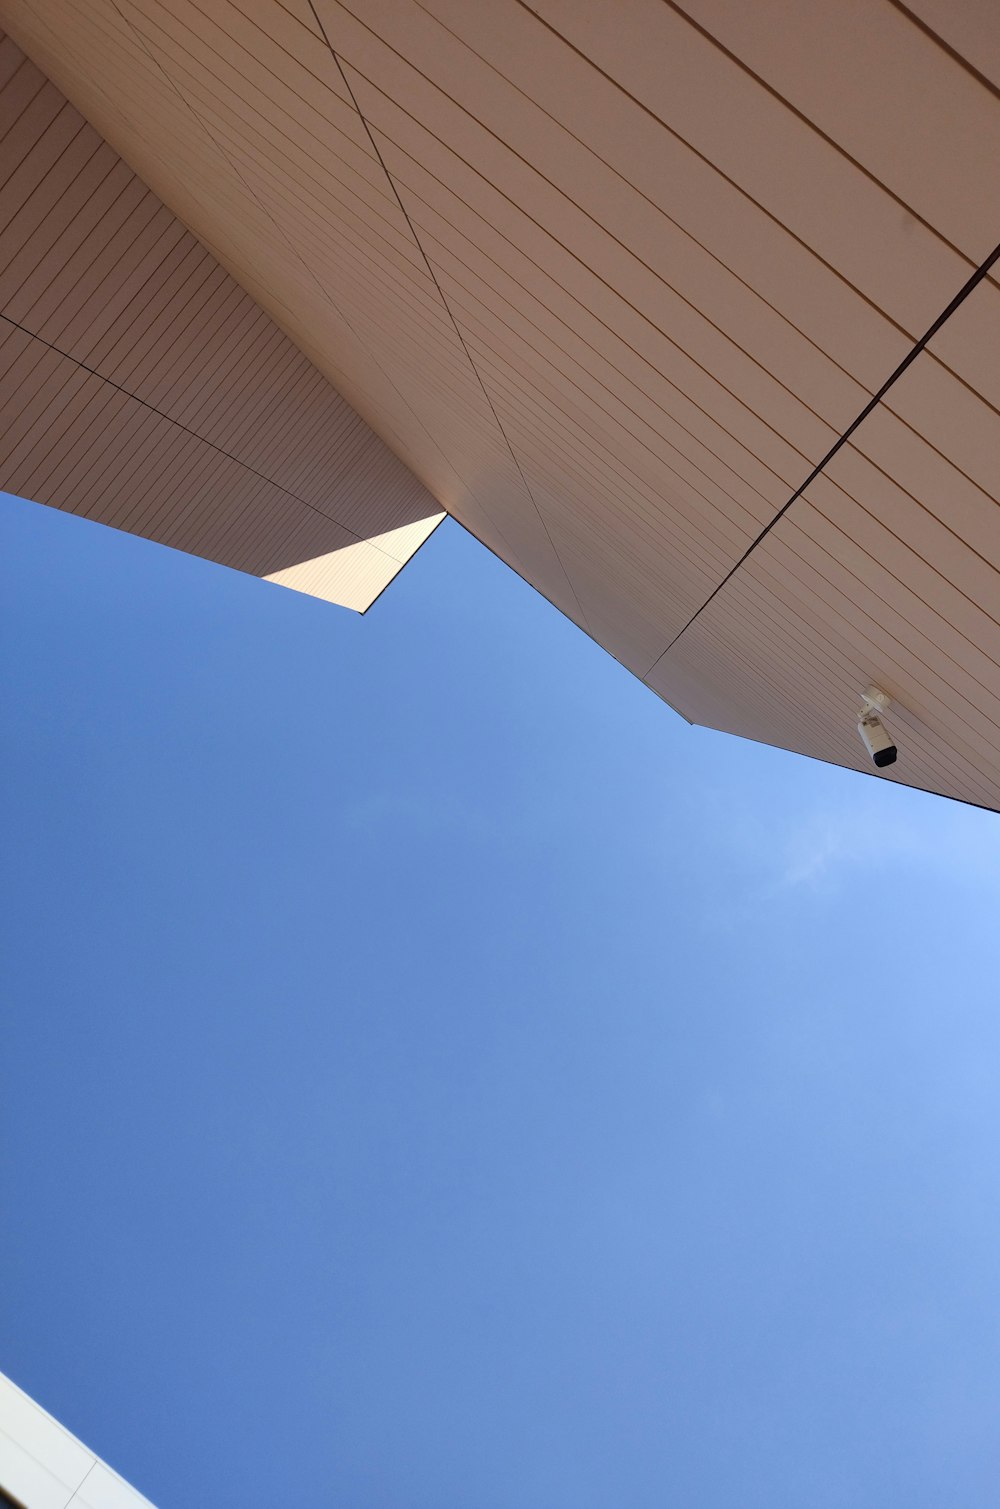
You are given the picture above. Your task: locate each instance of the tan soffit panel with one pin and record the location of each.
(613, 280)
(245, 127)
(142, 387)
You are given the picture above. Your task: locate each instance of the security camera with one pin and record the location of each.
(877, 741)
(871, 728)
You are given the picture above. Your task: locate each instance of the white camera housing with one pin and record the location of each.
(877, 741)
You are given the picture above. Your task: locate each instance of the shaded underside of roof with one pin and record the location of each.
(616, 282)
(142, 387)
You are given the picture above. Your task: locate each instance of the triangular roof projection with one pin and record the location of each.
(687, 311)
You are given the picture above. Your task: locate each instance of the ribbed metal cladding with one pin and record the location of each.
(612, 280)
(141, 386)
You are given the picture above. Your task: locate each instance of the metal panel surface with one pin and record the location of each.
(617, 283)
(141, 386)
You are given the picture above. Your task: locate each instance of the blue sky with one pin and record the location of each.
(436, 1077)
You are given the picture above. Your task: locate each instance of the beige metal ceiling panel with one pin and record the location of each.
(576, 450)
(295, 112)
(671, 208)
(971, 30)
(145, 474)
(178, 384)
(459, 400)
(611, 279)
(885, 92)
(583, 256)
(272, 50)
(550, 355)
(878, 514)
(299, 10)
(968, 342)
(623, 392)
(140, 385)
(923, 621)
(686, 481)
(804, 180)
(335, 308)
(327, 237)
(689, 398)
(688, 374)
(166, 136)
(762, 678)
(890, 590)
(694, 392)
(623, 523)
(423, 151)
(830, 618)
(945, 491)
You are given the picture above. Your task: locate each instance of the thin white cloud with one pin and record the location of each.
(933, 836)
(748, 853)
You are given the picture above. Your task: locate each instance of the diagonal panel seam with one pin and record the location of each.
(447, 307)
(946, 47)
(310, 272)
(187, 430)
(967, 288)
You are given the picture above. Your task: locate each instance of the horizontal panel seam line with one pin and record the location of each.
(218, 449)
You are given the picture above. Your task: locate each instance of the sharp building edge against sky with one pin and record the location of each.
(688, 312)
(42, 1466)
